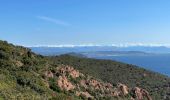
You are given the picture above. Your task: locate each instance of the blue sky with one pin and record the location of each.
(54, 22)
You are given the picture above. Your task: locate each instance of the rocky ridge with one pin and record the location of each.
(70, 79)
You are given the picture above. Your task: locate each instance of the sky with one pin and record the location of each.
(76, 22)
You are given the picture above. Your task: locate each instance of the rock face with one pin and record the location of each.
(69, 79)
(96, 84)
(124, 90)
(70, 70)
(141, 94)
(64, 84)
(120, 90)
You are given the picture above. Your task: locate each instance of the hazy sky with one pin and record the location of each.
(50, 22)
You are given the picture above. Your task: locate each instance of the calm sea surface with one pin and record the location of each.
(158, 63)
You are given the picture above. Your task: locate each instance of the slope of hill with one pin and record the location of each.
(25, 75)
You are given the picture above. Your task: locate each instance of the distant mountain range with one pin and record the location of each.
(108, 49)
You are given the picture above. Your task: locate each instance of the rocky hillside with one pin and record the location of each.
(85, 86)
(25, 75)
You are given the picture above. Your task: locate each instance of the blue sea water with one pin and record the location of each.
(158, 63)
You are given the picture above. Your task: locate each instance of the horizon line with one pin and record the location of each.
(100, 45)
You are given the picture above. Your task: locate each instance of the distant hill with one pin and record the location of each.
(25, 75)
(64, 50)
(114, 53)
(76, 54)
(130, 49)
(148, 49)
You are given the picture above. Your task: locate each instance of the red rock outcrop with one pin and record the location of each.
(64, 84)
(89, 83)
(86, 94)
(96, 84)
(141, 94)
(123, 89)
(70, 70)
